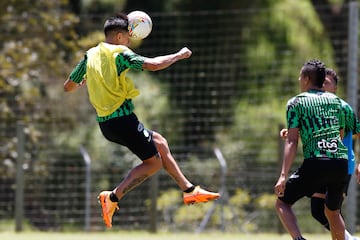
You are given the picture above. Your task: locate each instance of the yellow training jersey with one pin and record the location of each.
(107, 87)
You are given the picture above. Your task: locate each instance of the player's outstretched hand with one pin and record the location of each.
(184, 53)
(283, 133)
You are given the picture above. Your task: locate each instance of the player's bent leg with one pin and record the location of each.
(196, 193)
(169, 163)
(337, 225)
(138, 174)
(288, 219)
(135, 177)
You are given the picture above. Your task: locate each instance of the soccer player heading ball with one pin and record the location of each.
(103, 70)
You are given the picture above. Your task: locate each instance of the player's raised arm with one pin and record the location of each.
(70, 86)
(161, 62)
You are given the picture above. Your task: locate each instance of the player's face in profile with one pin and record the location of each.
(329, 84)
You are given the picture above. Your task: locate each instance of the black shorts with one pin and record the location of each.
(323, 189)
(315, 174)
(129, 132)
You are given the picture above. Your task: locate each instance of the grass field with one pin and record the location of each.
(122, 235)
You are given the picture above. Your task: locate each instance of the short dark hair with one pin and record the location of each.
(315, 70)
(331, 72)
(117, 23)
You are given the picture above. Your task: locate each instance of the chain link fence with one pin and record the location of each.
(222, 98)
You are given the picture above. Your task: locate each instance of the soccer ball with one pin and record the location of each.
(140, 25)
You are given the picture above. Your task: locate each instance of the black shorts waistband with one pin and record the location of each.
(326, 159)
(124, 110)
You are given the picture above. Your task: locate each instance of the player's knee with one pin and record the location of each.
(160, 141)
(154, 163)
(280, 205)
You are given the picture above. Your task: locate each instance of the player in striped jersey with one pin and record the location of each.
(317, 117)
(352, 127)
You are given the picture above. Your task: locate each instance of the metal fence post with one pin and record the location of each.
(154, 191)
(223, 193)
(87, 161)
(352, 92)
(19, 194)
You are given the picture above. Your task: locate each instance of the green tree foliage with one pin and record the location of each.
(37, 40)
(333, 16)
(286, 29)
(36, 43)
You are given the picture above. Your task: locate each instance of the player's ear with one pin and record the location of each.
(122, 37)
(307, 80)
(118, 36)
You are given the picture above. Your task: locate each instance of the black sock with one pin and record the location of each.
(299, 238)
(113, 197)
(190, 189)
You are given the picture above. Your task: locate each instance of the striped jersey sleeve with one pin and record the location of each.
(352, 124)
(78, 73)
(129, 59)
